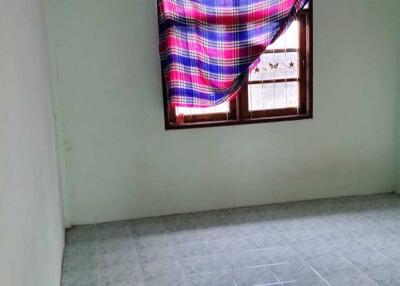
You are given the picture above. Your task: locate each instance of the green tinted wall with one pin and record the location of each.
(118, 162)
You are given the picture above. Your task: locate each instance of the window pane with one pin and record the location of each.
(273, 96)
(288, 40)
(276, 66)
(222, 108)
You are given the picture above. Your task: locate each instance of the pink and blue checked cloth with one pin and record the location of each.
(207, 47)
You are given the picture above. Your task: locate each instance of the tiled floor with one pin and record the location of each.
(339, 242)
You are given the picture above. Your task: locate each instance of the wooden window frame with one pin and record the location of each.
(239, 112)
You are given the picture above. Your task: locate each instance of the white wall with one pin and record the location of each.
(398, 118)
(398, 136)
(31, 224)
(120, 163)
(398, 145)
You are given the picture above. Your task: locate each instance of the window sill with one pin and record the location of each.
(239, 122)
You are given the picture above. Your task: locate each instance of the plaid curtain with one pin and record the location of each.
(207, 47)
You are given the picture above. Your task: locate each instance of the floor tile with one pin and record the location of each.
(127, 273)
(350, 279)
(78, 258)
(341, 241)
(366, 260)
(296, 272)
(110, 259)
(385, 275)
(392, 253)
(326, 264)
(312, 248)
(267, 241)
(161, 267)
(81, 277)
(282, 254)
(81, 234)
(116, 245)
(222, 278)
(196, 249)
(167, 280)
(232, 244)
(202, 264)
(245, 259)
(254, 276)
(156, 252)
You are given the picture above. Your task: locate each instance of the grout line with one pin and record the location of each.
(381, 253)
(216, 254)
(388, 258)
(359, 269)
(277, 278)
(319, 275)
(276, 283)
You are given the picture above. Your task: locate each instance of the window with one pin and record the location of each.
(279, 88)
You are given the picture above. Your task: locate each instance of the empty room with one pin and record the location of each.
(199, 143)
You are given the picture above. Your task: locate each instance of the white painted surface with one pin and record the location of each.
(31, 225)
(398, 120)
(120, 163)
(398, 140)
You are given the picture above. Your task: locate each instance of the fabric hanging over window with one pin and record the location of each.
(208, 46)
